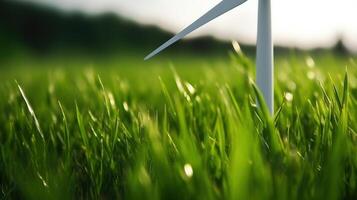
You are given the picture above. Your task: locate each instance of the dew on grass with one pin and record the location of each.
(31, 111)
(289, 96)
(42, 180)
(111, 99)
(311, 75)
(181, 88)
(300, 155)
(190, 88)
(188, 170)
(236, 46)
(319, 168)
(126, 106)
(310, 62)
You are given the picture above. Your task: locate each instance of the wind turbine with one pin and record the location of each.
(264, 60)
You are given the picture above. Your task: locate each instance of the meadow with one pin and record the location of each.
(177, 127)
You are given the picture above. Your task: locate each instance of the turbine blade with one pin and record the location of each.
(221, 8)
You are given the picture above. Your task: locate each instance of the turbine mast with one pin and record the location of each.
(265, 54)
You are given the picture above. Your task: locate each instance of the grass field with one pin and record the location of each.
(119, 128)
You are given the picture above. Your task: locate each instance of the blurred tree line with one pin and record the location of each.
(42, 29)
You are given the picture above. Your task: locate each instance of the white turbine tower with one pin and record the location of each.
(265, 67)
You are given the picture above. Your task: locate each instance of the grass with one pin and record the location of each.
(191, 130)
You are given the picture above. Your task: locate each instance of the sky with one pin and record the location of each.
(296, 23)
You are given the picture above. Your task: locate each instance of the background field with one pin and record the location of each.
(97, 122)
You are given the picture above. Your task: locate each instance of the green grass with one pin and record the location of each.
(186, 129)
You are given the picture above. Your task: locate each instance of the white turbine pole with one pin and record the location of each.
(265, 54)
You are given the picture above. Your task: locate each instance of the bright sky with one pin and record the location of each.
(296, 23)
